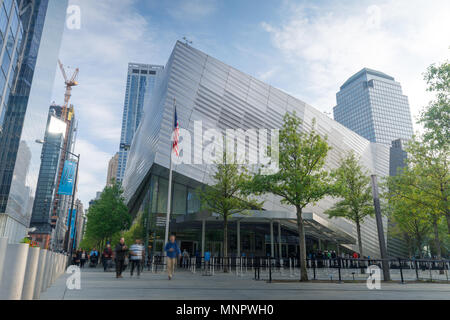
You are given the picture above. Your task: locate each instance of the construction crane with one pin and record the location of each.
(69, 84)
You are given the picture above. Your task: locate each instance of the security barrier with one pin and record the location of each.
(337, 269)
(27, 271)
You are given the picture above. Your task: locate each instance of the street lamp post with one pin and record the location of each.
(67, 243)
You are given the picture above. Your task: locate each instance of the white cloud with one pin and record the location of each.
(323, 47)
(113, 33)
(92, 171)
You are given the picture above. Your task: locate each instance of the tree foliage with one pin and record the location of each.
(409, 222)
(227, 196)
(301, 179)
(107, 216)
(436, 117)
(352, 186)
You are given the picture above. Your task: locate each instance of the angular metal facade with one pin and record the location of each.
(222, 97)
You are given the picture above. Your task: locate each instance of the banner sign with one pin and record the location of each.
(67, 178)
(72, 226)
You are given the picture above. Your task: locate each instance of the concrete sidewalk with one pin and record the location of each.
(96, 284)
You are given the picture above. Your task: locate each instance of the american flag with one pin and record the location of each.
(176, 133)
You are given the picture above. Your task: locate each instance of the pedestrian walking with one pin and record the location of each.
(106, 257)
(136, 257)
(120, 254)
(83, 258)
(173, 252)
(185, 258)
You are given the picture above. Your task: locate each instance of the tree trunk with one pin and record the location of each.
(419, 242)
(437, 242)
(408, 241)
(447, 216)
(358, 232)
(302, 244)
(447, 211)
(225, 243)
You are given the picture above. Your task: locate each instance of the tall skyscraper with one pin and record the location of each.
(45, 190)
(372, 104)
(50, 208)
(112, 169)
(30, 39)
(61, 203)
(140, 83)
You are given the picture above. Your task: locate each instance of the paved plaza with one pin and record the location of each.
(96, 284)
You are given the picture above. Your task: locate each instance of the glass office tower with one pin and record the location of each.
(29, 49)
(50, 160)
(140, 83)
(372, 104)
(221, 97)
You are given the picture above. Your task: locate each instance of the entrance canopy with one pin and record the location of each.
(315, 226)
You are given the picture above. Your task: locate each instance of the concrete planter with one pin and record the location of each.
(40, 274)
(46, 271)
(30, 273)
(3, 246)
(14, 271)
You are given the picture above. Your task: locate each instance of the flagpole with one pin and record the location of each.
(169, 192)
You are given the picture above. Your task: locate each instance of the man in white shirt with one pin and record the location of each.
(136, 256)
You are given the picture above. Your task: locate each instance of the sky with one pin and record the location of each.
(305, 48)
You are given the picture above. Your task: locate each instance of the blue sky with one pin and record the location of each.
(306, 48)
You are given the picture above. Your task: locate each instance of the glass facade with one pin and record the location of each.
(140, 83)
(222, 97)
(372, 104)
(25, 100)
(47, 179)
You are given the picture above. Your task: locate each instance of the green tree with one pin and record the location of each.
(410, 222)
(301, 179)
(423, 183)
(436, 116)
(226, 195)
(107, 216)
(352, 186)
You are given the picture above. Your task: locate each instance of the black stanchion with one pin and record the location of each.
(417, 269)
(339, 269)
(270, 270)
(401, 270)
(314, 269)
